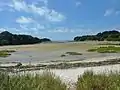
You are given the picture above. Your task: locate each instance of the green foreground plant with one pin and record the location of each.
(45, 81)
(91, 81)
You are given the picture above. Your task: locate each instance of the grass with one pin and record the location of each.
(107, 49)
(6, 53)
(63, 55)
(109, 44)
(73, 53)
(48, 81)
(70, 53)
(92, 81)
(45, 81)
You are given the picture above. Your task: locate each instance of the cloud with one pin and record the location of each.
(13, 30)
(43, 11)
(78, 3)
(2, 29)
(32, 27)
(61, 30)
(1, 9)
(117, 13)
(22, 30)
(54, 16)
(44, 1)
(109, 12)
(19, 5)
(24, 20)
(39, 26)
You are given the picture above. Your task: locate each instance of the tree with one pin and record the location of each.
(7, 38)
(106, 35)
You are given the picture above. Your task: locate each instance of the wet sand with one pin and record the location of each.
(45, 53)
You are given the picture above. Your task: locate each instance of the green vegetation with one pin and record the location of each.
(109, 44)
(107, 49)
(7, 38)
(73, 53)
(104, 36)
(91, 81)
(6, 53)
(92, 50)
(70, 53)
(63, 55)
(48, 81)
(45, 81)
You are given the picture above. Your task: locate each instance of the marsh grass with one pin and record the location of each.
(45, 81)
(107, 49)
(109, 44)
(70, 53)
(6, 53)
(92, 81)
(73, 53)
(63, 55)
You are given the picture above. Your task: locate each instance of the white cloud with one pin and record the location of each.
(78, 3)
(22, 30)
(13, 30)
(61, 30)
(117, 12)
(24, 20)
(2, 29)
(44, 1)
(38, 10)
(19, 5)
(43, 11)
(39, 26)
(109, 12)
(1, 9)
(35, 27)
(55, 16)
(23, 27)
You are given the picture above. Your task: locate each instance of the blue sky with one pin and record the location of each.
(59, 19)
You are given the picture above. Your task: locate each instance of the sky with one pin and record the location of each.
(59, 19)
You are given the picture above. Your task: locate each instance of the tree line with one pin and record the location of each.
(7, 38)
(102, 36)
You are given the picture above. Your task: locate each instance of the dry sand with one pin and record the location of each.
(70, 76)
